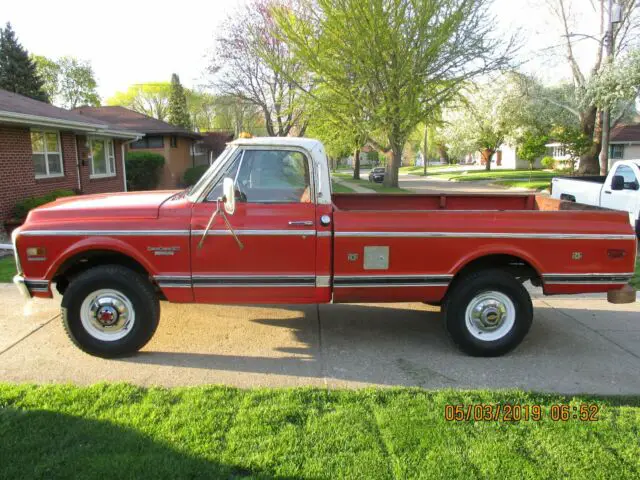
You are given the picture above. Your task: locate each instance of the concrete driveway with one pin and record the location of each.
(575, 345)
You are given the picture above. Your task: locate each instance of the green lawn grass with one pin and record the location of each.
(531, 185)
(475, 175)
(122, 431)
(635, 281)
(7, 269)
(339, 188)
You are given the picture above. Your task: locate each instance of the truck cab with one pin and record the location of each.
(263, 226)
(619, 190)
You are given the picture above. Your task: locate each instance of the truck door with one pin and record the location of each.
(625, 199)
(275, 221)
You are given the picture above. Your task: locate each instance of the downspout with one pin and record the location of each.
(75, 144)
(124, 167)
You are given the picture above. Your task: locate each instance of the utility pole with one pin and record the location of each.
(614, 17)
(424, 148)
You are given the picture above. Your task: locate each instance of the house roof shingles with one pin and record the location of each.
(15, 103)
(626, 133)
(128, 119)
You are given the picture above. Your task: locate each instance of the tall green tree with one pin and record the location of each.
(178, 112)
(576, 39)
(17, 71)
(49, 72)
(68, 81)
(151, 99)
(395, 60)
(77, 83)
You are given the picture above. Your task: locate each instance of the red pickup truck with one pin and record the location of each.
(262, 226)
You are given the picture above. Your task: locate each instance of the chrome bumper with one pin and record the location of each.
(19, 281)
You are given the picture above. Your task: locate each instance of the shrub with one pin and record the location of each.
(143, 170)
(193, 174)
(23, 207)
(548, 162)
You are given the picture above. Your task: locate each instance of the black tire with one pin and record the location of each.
(465, 290)
(130, 285)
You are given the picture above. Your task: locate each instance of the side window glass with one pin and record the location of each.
(630, 181)
(230, 172)
(274, 176)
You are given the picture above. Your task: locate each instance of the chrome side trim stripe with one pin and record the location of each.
(586, 278)
(554, 236)
(368, 281)
(323, 280)
(324, 234)
(110, 233)
(240, 231)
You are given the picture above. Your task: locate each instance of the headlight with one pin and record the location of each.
(14, 241)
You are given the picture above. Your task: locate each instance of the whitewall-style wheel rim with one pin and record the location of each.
(107, 315)
(490, 316)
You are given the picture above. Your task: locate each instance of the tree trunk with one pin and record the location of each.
(391, 175)
(443, 154)
(356, 164)
(591, 128)
(487, 153)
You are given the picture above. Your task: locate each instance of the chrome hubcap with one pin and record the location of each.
(107, 315)
(490, 316)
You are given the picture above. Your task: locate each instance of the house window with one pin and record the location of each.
(559, 151)
(46, 154)
(103, 158)
(174, 141)
(616, 151)
(149, 141)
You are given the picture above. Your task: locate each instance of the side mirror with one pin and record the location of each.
(617, 182)
(229, 195)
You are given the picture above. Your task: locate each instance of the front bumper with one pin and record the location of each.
(20, 282)
(29, 287)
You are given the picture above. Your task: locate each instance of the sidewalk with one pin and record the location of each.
(356, 188)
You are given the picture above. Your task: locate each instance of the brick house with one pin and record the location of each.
(45, 148)
(177, 145)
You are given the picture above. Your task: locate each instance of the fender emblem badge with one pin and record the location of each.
(352, 257)
(576, 255)
(163, 251)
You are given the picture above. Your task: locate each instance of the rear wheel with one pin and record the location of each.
(110, 311)
(487, 313)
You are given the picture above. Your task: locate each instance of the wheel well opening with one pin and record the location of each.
(516, 266)
(84, 261)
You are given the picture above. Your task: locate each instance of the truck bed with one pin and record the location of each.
(466, 202)
(413, 246)
(586, 178)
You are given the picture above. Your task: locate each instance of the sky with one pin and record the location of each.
(138, 41)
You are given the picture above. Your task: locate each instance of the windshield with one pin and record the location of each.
(201, 184)
(378, 170)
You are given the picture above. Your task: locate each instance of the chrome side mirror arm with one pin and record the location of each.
(219, 210)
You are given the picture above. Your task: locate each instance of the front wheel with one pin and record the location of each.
(110, 311)
(487, 313)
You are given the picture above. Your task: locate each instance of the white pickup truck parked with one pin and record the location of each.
(620, 190)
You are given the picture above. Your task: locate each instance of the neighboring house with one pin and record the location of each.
(45, 148)
(212, 144)
(175, 144)
(624, 143)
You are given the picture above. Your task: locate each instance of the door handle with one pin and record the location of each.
(607, 192)
(301, 223)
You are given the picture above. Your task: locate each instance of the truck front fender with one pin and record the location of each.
(93, 244)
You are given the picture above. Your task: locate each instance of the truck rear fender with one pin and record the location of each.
(91, 252)
(513, 260)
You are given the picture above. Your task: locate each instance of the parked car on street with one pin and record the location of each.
(262, 226)
(377, 175)
(619, 190)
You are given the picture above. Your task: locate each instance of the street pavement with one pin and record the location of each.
(576, 345)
